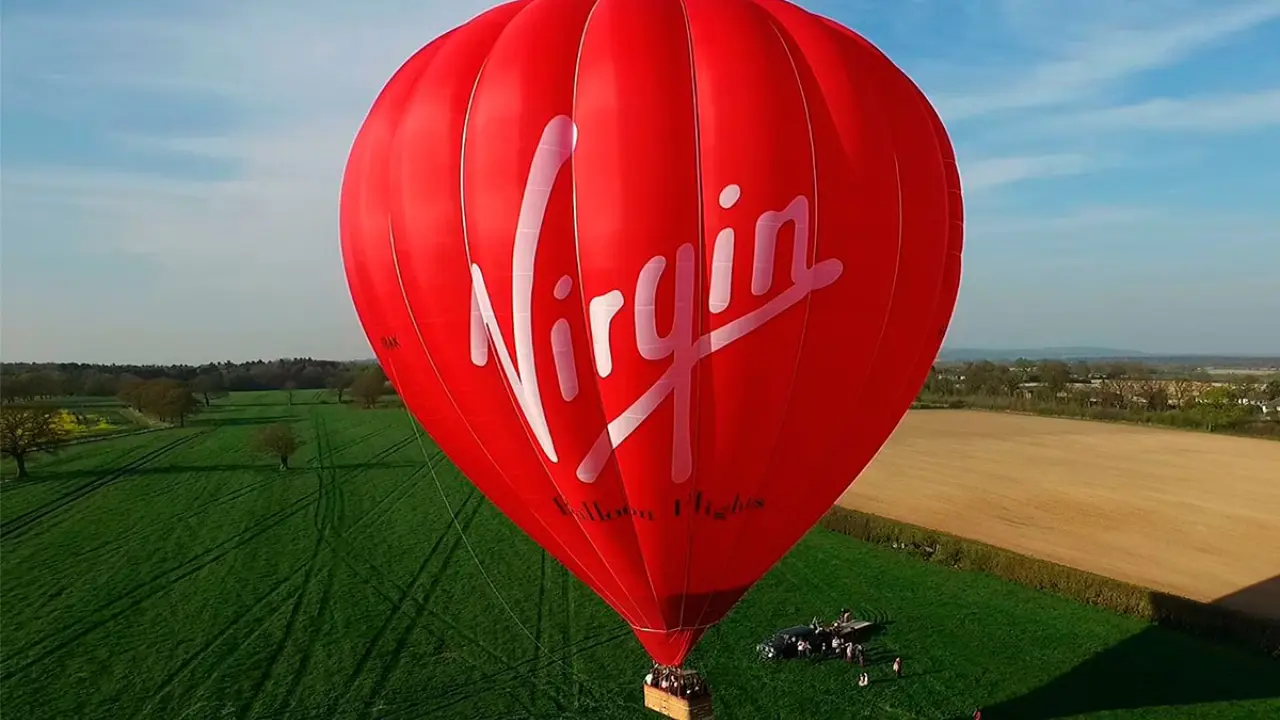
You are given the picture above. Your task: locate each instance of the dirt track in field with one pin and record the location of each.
(1189, 513)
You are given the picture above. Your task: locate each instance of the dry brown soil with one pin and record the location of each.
(1189, 513)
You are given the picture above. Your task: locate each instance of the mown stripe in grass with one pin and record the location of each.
(135, 597)
(19, 525)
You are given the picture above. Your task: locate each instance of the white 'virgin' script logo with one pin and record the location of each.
(554, 149)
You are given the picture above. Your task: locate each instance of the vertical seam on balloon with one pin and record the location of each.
(935, 124)
(699, 297)
(897, 260)
(466, 247)
(577, 256)
(404, 296)
(510, 396)
(813, 229)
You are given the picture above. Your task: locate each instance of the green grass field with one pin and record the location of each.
(176, 575)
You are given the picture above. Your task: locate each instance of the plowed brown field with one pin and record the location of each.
(1189, 513)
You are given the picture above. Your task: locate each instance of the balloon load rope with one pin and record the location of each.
(453, 516)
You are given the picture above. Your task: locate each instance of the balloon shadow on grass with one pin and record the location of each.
(1163, 667)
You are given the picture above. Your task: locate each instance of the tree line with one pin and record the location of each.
(32, 381)
(30, 422)
(1132, 391)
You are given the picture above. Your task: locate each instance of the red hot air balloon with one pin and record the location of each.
(659, 276)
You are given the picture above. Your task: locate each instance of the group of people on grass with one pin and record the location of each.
(848, 650)
(688, 684)
(681, 683)
(852, 652)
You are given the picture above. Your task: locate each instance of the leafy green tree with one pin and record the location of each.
(14, 388)
(27, 430)
(1219, 407)
(279, 441)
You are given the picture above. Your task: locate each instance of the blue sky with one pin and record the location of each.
(170, 170)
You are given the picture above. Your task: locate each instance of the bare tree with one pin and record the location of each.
(289, 387)
(179, 404)
(340, 383)
(130, 391)
(279, 441)
(1114, 393)
(208, 386)
(1248, 387)
(369, 387)
(1153, 393)
(1055, 375)
(1181, 391)
(168, 400)
(26, 430)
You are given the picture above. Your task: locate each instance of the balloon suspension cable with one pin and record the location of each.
(453, 516)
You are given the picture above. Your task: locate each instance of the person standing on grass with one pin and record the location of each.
(897, 667)
(848, 653)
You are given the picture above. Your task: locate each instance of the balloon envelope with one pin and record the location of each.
(659, 276)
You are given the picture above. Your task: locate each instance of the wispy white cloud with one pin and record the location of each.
(1209, 113)
(986, 174)
(258, 246)
(1108, 55)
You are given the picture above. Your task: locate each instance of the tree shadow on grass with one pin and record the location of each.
(278, 403)
(54, 476)
(198, 421)
(1160, 667)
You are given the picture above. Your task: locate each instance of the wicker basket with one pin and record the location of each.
(678, 708)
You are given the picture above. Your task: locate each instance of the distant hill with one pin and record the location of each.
(1050, 353)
